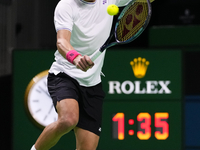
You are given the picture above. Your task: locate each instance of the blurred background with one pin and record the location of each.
(28, 25)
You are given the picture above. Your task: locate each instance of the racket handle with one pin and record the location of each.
(95, 55)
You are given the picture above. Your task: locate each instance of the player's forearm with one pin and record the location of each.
(63, 42)
(63, 47)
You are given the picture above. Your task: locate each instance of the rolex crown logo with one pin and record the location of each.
(139, 66)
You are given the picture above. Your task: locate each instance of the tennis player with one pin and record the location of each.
(74, 81)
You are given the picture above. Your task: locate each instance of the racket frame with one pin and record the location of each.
(113, 32)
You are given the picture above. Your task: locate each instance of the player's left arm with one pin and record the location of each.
(121, 3)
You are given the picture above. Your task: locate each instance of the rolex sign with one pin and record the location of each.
(132, 74)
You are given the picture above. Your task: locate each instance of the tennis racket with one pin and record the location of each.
(130, 23)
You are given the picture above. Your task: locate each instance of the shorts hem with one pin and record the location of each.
(86, 128)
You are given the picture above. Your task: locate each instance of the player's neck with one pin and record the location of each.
(90, 0)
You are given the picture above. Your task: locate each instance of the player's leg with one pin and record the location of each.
(68, 115)
(85, 140)
(88, 128)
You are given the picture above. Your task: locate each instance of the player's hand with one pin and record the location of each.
(83, 62)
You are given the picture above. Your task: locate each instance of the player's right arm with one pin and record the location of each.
(64, 46)
(63, 42)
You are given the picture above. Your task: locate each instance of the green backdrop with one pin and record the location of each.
(164, 74)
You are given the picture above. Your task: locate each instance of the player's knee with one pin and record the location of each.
(66, 124)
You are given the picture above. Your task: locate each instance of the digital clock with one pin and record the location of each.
(142, 125)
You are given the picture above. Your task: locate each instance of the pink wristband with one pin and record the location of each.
(71, 55)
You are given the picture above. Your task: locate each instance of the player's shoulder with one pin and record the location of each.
(67, 5)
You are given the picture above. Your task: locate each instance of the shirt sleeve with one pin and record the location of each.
(63, 16)
(121, 3)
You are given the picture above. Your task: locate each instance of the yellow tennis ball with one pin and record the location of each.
(112, 9)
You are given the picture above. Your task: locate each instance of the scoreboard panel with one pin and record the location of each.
(143, 104)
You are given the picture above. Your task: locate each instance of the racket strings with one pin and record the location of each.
(132, 21)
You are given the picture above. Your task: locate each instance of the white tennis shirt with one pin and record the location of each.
(90, 25)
